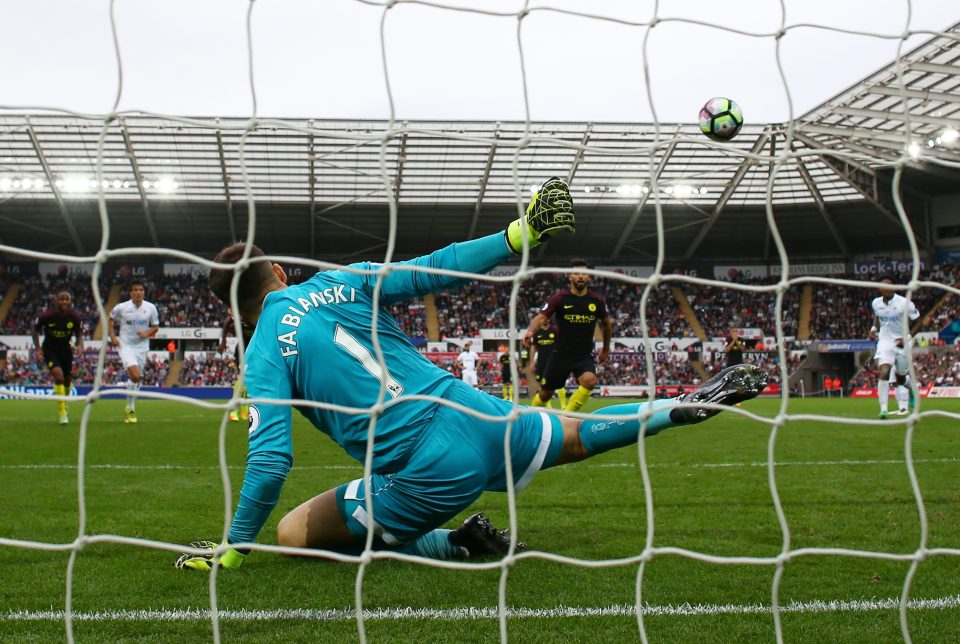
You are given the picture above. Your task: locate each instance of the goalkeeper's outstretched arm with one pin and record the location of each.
(550, 212)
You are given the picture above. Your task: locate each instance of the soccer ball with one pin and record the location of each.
(721, 119)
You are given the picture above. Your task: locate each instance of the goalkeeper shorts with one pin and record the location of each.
(455, 460)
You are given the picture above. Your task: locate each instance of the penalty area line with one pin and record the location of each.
(451, 614)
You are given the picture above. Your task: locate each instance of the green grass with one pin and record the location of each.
(841, 487)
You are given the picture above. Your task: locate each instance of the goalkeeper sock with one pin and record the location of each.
(538, 401)
(600, 435)
(562, 395)
(883, 394)
(580, 396)
(433, 545)
(58, 390)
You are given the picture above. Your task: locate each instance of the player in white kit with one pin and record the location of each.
(467, 361)
(138, 321)
(891, 331)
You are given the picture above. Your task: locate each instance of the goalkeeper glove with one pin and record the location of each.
(229, 559)
(550, 211)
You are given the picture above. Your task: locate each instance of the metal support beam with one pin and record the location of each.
(771, 164)
(921, 94)
(311, 186)
(401, 159)
(822, 206)
(484, 179)
(228, 200)
(863, 180)
(139, 179)
(732, 185)
(61, 204)
(577, 160)
(934, 68)
(638, 209)
(894, 116)
(880, 138)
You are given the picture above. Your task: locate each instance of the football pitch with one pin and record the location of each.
(841, 486)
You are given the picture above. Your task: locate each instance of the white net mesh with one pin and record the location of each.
(799, 157)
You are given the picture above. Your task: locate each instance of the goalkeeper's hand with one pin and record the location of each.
(550, 211)
(229, 559)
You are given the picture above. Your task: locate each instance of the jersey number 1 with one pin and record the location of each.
(361, 353)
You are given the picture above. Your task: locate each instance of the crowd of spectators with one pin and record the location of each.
(210, 370)
(412, 317)
(29, 372)
(630, 368)
(839, 312)
(37, 294)
(938, 367)
(464, 311)
(488, 370)
(719, 309)
(844, 312)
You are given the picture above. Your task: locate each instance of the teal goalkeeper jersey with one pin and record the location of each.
(315, 342)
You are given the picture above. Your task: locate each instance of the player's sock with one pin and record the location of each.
(132, 401)
(505, 396)
(575, 402)
(600, 434)
(538, 401)
(911, 399)
(883, 394)
(562, 395)
(433, 545)
(902, 396)
(58, 390)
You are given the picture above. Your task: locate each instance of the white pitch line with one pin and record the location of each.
(469, 613)
(785, 463)
(672, 466)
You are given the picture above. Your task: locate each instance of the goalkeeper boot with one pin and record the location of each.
(129, 415)
(478, 537)
(731, 386)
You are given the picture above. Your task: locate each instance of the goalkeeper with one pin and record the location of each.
(315, 342)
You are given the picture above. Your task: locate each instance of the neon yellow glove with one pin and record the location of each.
(550, 211)
(229, 559)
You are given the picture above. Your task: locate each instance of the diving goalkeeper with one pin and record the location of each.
(314, 342)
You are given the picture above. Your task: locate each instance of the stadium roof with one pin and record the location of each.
(320, 186)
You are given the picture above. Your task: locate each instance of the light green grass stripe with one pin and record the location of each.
(451, 614)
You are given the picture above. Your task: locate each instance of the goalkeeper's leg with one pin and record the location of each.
(598, 433)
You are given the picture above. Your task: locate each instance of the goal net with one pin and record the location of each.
(790, 499)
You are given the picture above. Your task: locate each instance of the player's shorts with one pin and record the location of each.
(901, 364)
(456, 458)
(61, 357)
(505, 375)
(132, 356)
(559, 366)
(886, 352)
(470, 377)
